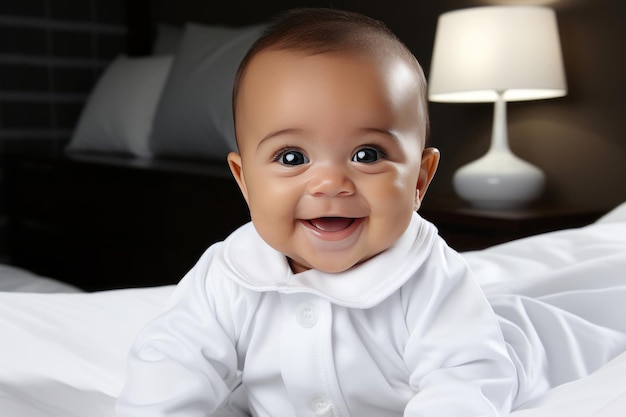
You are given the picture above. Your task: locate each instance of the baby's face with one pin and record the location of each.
(331, 158)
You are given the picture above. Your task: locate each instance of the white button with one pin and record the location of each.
(320, 406)
(306, 315)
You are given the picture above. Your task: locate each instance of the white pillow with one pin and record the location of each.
(119, 112)
(194, 117)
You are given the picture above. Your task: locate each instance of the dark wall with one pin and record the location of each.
(51, 52)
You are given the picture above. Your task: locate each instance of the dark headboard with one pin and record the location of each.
(103, 222)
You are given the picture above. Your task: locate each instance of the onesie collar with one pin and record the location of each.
(252, 263)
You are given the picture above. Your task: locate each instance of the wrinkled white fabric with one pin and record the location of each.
(560, 299)
(408, 332)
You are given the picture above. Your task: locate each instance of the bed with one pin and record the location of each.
(62, 350)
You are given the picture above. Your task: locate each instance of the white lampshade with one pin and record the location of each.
(513, 49)
(497, 54)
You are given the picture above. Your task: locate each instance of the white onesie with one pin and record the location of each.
(408, 332)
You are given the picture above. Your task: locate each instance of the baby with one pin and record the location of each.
(337, 299)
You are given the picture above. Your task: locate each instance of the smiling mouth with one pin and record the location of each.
(331, 224)
(333, 230)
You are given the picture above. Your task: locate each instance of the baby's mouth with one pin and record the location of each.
(331, 224)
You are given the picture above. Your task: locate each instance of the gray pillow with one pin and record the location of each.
(167, 39)
(194, 117)
(120, 110)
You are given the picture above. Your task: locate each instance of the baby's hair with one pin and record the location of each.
(313, 31)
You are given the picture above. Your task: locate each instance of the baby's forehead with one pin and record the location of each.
(275, 70)
(374, 60)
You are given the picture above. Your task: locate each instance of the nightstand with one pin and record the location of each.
(469, 228)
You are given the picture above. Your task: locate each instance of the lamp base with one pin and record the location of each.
(499, 180)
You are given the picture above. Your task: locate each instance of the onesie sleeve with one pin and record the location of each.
(184, 362)
(456, 356)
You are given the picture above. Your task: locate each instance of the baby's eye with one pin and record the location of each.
(291, 158)
(367, 155)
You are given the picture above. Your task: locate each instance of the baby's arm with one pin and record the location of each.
(456, 355)
(183, 363)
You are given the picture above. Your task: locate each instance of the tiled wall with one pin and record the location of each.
(51, 53)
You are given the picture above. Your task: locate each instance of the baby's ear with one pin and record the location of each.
(236, 167)
(430, 161)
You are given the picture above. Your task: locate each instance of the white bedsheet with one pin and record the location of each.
(63, 354)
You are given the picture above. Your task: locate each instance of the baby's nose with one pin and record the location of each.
(331, 181)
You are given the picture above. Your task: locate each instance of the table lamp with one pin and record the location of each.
(497, 54)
